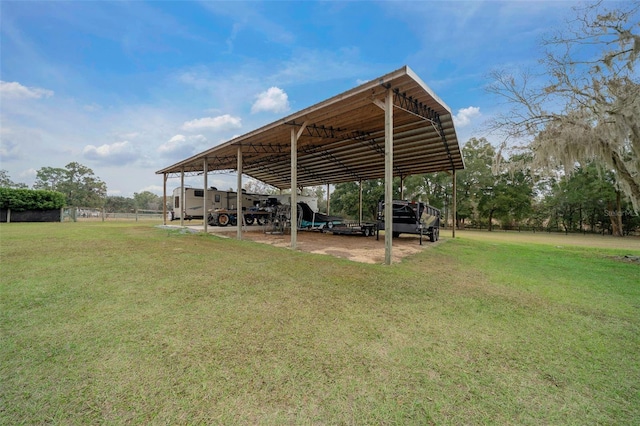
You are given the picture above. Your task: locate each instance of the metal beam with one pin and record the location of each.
(409, 104)
(266, 148)
(444, 141)
(329, 157)
(318, 131)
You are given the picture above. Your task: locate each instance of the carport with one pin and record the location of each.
(394, 125)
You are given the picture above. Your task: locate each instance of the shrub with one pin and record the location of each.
(30, 199)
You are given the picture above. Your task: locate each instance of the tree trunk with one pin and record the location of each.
(615, 216)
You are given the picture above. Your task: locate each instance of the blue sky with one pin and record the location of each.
(127, 88)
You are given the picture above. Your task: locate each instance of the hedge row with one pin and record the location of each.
(30, 199)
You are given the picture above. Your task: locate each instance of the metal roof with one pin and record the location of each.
(343, 138)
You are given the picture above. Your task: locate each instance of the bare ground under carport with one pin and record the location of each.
(356, 248)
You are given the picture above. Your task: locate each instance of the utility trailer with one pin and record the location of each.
(366, 229)
(411, 217)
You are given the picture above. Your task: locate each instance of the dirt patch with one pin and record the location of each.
(627, 258)
(353, 247)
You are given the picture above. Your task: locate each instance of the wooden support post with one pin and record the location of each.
(239, 215)
(328, 198)
(455, 206)
(388, 177)
(294, 183)
(360, 199)
(294, 189)
(205, 199)
(164, 198)
(182, 192)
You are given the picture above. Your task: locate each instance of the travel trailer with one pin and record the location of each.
(191, 204)
(221, 205)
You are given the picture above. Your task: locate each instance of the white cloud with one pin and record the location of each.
(181, 146)
(18, 142)
(93, 107)
(30, 174)
(156, 189)
(172, 144)
(131, 135)
(15, 90)
(118, 153)
(465, 115)
(221, 122)
(9, 150)
(273, 100)
(9, 146)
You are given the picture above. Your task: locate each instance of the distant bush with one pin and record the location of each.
(30, 199)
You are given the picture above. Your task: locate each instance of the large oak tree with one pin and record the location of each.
(585, 104)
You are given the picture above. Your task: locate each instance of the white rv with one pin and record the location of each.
(191, 205)
(221, 206)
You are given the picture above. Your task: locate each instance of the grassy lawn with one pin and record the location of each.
(127, 323)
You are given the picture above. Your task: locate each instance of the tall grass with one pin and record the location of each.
(128, 323)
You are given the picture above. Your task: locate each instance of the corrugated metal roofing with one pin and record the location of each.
(343, 140)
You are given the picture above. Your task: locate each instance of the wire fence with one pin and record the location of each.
(91, 214)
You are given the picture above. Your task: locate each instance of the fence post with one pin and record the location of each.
(136, 215)
(61, 214)
(103, 214)
(8, 214)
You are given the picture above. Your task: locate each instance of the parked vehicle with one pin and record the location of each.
(412, 217)
(221, 209)
(192, 206)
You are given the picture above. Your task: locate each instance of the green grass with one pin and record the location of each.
(127, 323)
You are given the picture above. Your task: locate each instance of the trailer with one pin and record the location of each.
(221, 209)
(262, 212)
(367, 229)
(224, 217)
(190, 205)
(412, 217)
(311, 219)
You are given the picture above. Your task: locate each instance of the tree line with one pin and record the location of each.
(587, 200)
(81, 188)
